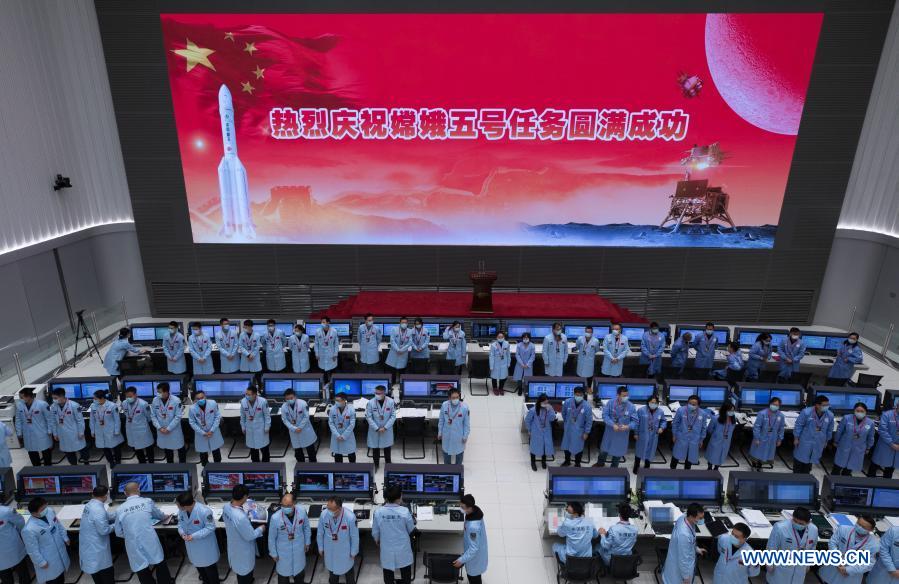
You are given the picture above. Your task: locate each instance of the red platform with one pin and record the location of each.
(457, 304)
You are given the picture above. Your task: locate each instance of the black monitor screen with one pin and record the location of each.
(852, 496)
(752, 491)
(440, 483)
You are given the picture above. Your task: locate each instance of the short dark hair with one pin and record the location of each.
(253, 388)
(774, 399)
(802, 514)
(419, 320)
(239, 492)
(588, 328)
(653, 397)
(198, 391)
(795, 329)
(820, 399)
(289, 391)
(367, 314)
(621, 389)
(163, 386)
(861, 405)
(248, 322)
(100, 491)
(270, 321)
(557, 324)
(696, 397)
(694, 509)
(653, 324)
(336, 500)
(100, 394)
(58, 391)
(340, 395)
(624, 510)
(869, 519)
(196, 324)
(380, 388)
(743, 528)
(526, 336)
(853, 334)
(579, 389)
(577, 507)
(173, 323)
(467, 500)
(131, 389)
(325, 318)
(710, 324)
(734, 346)
(455, 390)
(393, 493)
(185, 499)
(35, 504)
(28, 392)
(402, 318)
(124, 332)
(223, 319)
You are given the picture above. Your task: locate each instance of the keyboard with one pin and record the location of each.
(663, 529)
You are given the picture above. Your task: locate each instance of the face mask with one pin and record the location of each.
(624, 398)
(700, 522)
(794, 337)
(226, 327)
(852, 341)
(287, 511)
(654, 330)
(201, 402)
(418, 327)
(730, 413)
(403, 325)
(43, 513)
(860, 415)
(97, 401)
(860, 530)
(341, 404)
(454, 401)
(557, 332)
(525, 341)
(825, 408)
(369, 322)
(298, 333)
(325, 326)
(130, 400)
(578, 399)
(653, 406)
(500, 339)
(457, 328)
(197, 332)
(380, 397)
(588, 335)
(774, 407)
(568, 515)
(172, 330)
(289, 400)
(249, 331)
(692, 407)
(271, 328)
(616, 333)
(734, 541)
(798, 527)
(709, 333)
(251, 398)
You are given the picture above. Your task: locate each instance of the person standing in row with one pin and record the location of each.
(295, 415)
(499, 361)
(196, 526)
(327, 348)
(94, 550)
(453, 427)
(620, 417)
(256, 423)
(289, 539)
(342, 422)
(853, 441)
(848, 357)
(241, 535)
(134, 521)
(791, 350)
(680, 351)
(720, 434)
(586, 347)
(555, 351)
(474, 541)
(299, 349)
(227, 339)
(118, 350)
(205, 419)
(759, 355)
(525, 354)
(173, 345)
(614, 349)
(338, 541)
(12, 562)
(400, 345)
(650, 425)
(539, 422)
(577, 417)
(137, 426)
(200, 346)
(106, 427)
(886, 453)
(651, 347)
(812, 432)
(249, 345)
(34, 427)
(68, 427)
(767, 434)
(421, 353)
(457, 351)
(165, 413)
(391, 528)
(46, 542)
(705, 345)
(688, 429)
(380, 413)
(275, 341)
(369, 336)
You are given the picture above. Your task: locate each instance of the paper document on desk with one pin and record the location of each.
(755, 518)
(360, 403)
(425, 514)
(169, 510)
(70, 512)
(413, 413)
(232, 406)
(842, 520)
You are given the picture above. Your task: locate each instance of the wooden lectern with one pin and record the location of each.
(482, 289)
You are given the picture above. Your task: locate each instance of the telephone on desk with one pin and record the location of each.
(346, 345)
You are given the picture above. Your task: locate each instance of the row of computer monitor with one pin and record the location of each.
(166, 481)
(817, 342)
(712, 393)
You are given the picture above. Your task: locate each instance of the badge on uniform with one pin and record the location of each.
(333, 537)
(196, 521)
(473, 535)
(290, 537)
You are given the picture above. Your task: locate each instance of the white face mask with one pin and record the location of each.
(457, 328)
(271, 328)
(616, 333)
(369, 322)
(860, 415)
(418, 327)
(588, 335)
(454, 401)
(172, 330)
(403, 325)
(500, 339)
(794, 337)
(853, 341)
(654, 330)
(197, 332)
(525, 341)
(653, 406)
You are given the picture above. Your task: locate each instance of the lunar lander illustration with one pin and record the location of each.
(694, 202)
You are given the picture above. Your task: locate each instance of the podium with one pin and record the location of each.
(482, 291)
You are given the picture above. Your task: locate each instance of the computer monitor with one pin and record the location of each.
(58, 484)
(156, 481)
(635, 331)
(711, 393)
(7, 485)
(701, 490)
(660, 515)
(834, 343)
(879, 496)
(661, 488)
(261, 328)
(772, 490)
(843, 399)
(679, 392)
(151, 333)
(358, 385)
(589, 487)
(823, 343)
(426, 481)
(147, 385)
(565, 389)
(416, 388)
(276, 387)
(264, 479)
(538, 388)
(573, 331)
(342, 328)
(681, 486)
(754, 396)
(305, 385)
(224, 386)
(538, 330)
(884, 498)
(748, 336)
(639, 390)
(320, 480)
(484, 330)
(78, 388)
(428, 387)
(722, 334)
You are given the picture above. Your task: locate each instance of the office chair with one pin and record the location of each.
(624, 568)
(479, 368)
(414, 428)
(867, 380)
(577, 570)
(439, 568)
(801, 378)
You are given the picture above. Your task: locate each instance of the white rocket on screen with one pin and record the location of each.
(235, 197)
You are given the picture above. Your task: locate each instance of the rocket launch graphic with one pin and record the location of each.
(235, 196)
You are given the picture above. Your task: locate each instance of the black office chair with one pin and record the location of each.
(478, 369)
(439, 568)
(867, 380)
(624, 568)
(414, 428)
(801, 378)
(577, 570)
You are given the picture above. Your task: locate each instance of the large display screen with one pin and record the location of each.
(416, 129)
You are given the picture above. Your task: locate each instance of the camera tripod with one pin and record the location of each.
(83, 333)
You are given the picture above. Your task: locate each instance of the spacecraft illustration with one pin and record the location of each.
(691, 85)
(694, 201)
(235, 197)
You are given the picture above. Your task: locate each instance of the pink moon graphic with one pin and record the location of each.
(759, 69)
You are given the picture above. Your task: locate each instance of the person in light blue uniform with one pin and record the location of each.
(46, 543)
(853, 441)
(295, 416)
(256, 423)
(248, 346)
(165, 413)
(680, 351)
(5, 454)
(856, 537)
(688, 429)
(369, 336)
(241, 535)
(849, 355)
(615, 349)
(759, 355)
(619, 539)
(227, 339)
(720, 433)
(734, 370)
(380, 413)
(651, 347)
(205, 419)
(729, 569)
(327, 347)
(12, 561)
(680, 563)
(106, 427)
(274, 342)
(400, 346)
(790, 351)
(137, 426)
(200, 346)
(499, 361)
(118, 350)
(577, 531)
(173, 345)
(704, 345)
(586, 347)
(134, 521)
(68, 427)
(196, 526)
(338, 540)
(525, 354)
(34, 427)
(577, 417)
(767, 434)
(457, 349)
(620, 417)
(342, 422)
(420, 353)
(812, 432)
(555, 351)
(299, 349)
(886, 569)
(453, 427)
(796, 533)
(391, 528)
(886, 453)
(289, 538)
(651, 423)
(539, 423)
(94, 551)
(474, 541)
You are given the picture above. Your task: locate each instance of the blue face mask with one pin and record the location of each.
(692, 407)
(824, 408)
(624, 398)
(861, 531)
(730, 413)
(734, 541)
(130, 400)
(288, 511)
(578, 399)
(798, 527)
(700, 522)
(201, 402)
(774, 407)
